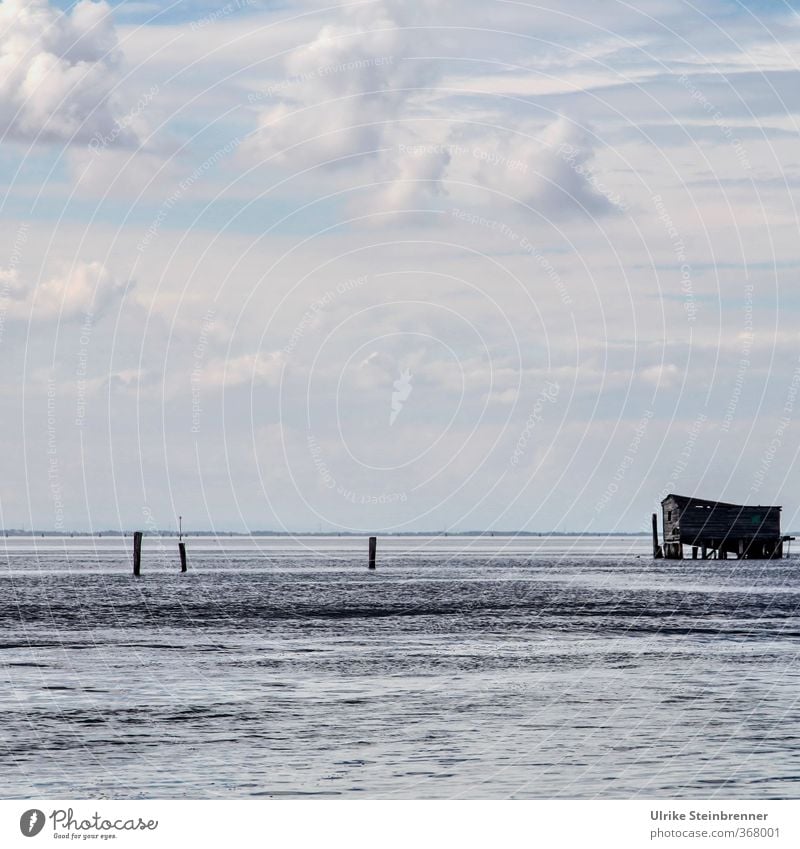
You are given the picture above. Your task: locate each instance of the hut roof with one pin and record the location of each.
(702, 502)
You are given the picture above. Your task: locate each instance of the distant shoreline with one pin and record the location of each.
(252, 534)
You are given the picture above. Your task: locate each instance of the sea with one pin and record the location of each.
(462, 667)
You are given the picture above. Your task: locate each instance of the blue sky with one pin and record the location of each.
(381, 267)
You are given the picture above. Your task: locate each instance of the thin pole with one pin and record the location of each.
(181, 544)
(137, 553)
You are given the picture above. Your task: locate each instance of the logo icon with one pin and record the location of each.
(31, 822)
(402, 389)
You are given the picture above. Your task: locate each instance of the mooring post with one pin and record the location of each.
(181, 544)
(657, 553)
(137, 553)
(373, 547)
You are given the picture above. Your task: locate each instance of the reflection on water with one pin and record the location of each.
(493, 667)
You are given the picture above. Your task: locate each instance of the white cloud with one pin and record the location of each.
(244, 369)
(413, 179)
(357, 99)
(550, 169)
(11, 287)
(340, 92)
(87, 287)
(57, 70)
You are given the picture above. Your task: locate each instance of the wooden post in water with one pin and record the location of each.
(657, 553)
(181, 544)
(373, 546)
(137, 553)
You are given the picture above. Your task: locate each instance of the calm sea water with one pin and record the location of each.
(461, 668)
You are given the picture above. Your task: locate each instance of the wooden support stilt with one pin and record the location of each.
(741, 549)
(373, 546)
(137, 553)
(694, 552)
(704, 553)
(657, 552)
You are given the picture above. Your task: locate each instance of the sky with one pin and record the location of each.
(387, 267)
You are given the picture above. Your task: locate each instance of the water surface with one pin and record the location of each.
(462, 667)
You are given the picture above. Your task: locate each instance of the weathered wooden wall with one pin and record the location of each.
(692, 521)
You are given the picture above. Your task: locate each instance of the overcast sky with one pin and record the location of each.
(397, 266)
